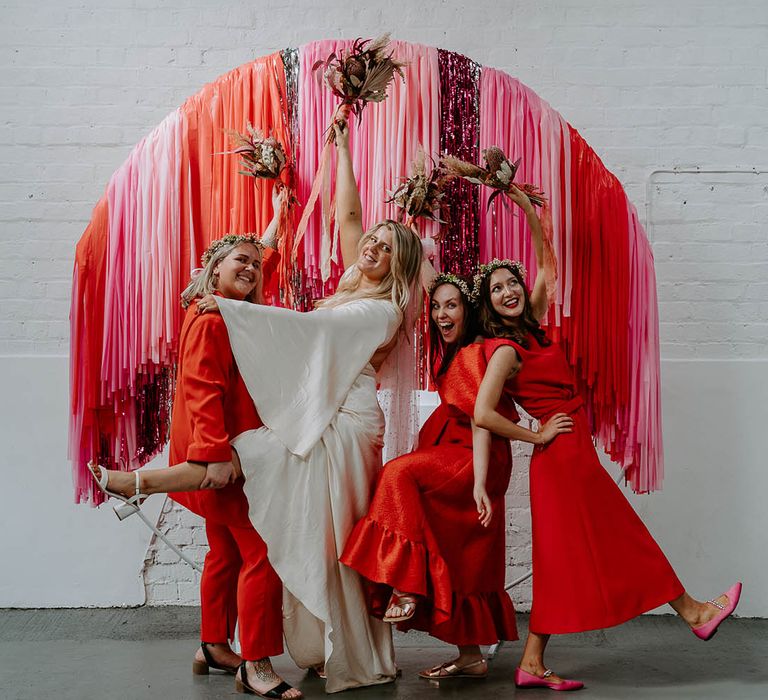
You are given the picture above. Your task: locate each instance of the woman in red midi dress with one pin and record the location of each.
(432, 554)
(595, 564)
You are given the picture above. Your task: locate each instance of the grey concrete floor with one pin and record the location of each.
(147, 653)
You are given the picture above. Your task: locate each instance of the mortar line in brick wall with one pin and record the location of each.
(20, 356)
(689, 360)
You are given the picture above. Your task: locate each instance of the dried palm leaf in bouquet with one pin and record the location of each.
(264, 158)
(363, 74)
(420, 196)
(498, 174)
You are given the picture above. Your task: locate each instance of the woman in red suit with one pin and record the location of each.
(211, 405)
(595, 564)
(432, 554)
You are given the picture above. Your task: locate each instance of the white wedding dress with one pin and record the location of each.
(309, 470)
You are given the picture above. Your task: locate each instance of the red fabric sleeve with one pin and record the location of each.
(491, 345)
(208, 370)
(506, 406)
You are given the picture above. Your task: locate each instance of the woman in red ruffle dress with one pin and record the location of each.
(595, 564)
(432, 554)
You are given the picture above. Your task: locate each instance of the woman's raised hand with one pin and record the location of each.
(278, 195)
(559, 423)
(520, 198)
(207, 304)
(341, 127)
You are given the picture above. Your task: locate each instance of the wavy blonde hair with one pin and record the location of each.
(395, 286)
(206, 280)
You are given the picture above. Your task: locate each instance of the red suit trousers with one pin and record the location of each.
(239, 584)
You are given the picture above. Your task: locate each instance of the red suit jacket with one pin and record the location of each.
(211, 405)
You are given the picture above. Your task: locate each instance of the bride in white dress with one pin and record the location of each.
(309, 471)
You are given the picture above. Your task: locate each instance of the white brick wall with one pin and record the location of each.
(168, 580)
(649, 84)
(710, 240)
(652, 85)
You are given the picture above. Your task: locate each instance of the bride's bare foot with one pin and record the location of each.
(319, 671)
(262, 678)
(123, 483)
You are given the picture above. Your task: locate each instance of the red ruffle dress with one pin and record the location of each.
(422, 535)
(595, 564)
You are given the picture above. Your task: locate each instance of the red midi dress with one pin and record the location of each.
(595, 564)
(421, 534)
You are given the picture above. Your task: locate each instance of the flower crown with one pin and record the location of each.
(456, 281)
(487, 269)
(230, 239)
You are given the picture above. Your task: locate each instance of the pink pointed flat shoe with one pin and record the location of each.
(708, 629)
(523, 679)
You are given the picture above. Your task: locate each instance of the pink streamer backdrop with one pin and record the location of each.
(174, 193)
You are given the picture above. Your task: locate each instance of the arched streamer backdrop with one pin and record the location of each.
(176, 192)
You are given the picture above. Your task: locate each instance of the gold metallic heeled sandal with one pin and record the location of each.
(450, 670)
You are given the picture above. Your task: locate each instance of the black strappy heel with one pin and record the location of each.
(201, 668)
(276, 693)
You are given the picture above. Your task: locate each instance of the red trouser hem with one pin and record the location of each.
(239, 584)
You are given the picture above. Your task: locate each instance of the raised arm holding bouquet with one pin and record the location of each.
(264, 158)
(499, 174)
(358, 77)
(420, 195)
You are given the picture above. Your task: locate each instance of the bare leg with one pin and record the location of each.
(533, 657)
(694, 612)
(186, 476)
(470, 655)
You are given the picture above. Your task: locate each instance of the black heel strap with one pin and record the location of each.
(278, 691)
(244, 674)
(207, 654)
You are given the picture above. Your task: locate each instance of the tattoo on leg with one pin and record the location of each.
(264, 670)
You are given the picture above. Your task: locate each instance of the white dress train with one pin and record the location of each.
(309, 470)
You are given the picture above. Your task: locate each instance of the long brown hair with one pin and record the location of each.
(442, 354)
(492, 325)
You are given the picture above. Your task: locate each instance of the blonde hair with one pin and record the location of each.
(206, 280)
(395, 286)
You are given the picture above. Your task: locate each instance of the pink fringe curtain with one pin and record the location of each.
(176, 192)
(604, 311)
